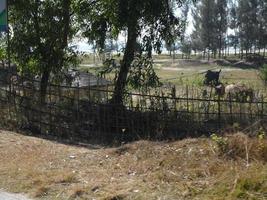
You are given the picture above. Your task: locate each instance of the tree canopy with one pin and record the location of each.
(244, 19)
(148, 21)
(42, 31)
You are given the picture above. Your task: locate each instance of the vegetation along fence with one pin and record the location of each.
(85, 112)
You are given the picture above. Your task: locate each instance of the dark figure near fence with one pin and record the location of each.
(212, 78)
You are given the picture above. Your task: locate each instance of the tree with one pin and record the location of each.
(208, 31)
(41, 34)
(171, 48)
(247, 24)
(148, 21)
(233, 25)
(186, 47)
(196, 42)
(221, 24)
(205, 33)
(3, 47)
(262, 19)
(233, 41)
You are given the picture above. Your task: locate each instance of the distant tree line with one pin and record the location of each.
(223, 24)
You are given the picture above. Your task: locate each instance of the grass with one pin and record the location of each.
(180, 72)
(190, 169)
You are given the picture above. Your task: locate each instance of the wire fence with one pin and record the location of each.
(85, 112)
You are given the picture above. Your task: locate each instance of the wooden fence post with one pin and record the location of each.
(262, 106)
(187, 101)
(219, 110)
(231, 109)
(50, 109)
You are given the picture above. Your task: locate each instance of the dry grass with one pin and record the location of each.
(240, 146)
(188, 169)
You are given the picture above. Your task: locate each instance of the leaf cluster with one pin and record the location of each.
(102, 19)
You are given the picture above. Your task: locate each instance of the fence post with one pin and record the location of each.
(219, 110)
(187, 99)
(78, 111)
(50, 109)
(174, 97)
(262, 106)
(231, 109)
(250, 110)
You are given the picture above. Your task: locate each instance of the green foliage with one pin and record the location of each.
(146, 22)
(186, 47)
(236, 126)
(2, 53)
(263, 73)
(261, 134)
(142, 75)
(41, 33)
(104, 19)
(210, 25)
(221, 142)
(3, 47)
(241, 146)
(248, 188)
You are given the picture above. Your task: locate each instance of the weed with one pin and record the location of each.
(66, 178)
(241, 146)
(263, 73)
(76, 192)
(221, 142)
(236, 126)
(41, 191)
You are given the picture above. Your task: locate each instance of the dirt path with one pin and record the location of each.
(199, 69)
(10, 196)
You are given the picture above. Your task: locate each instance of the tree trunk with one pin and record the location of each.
(126, 62)
(66, 5)
(220, 46)
(66, 22)
(66, 28)
(44, 84)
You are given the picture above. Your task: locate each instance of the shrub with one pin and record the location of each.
(263, 73)
(241, 146)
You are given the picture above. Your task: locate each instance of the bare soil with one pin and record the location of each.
(187, 169)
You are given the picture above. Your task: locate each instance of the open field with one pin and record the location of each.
(187, 169)
(191, 72)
